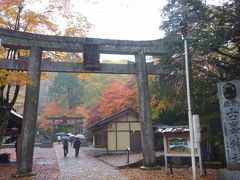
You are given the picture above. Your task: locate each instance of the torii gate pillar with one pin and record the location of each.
(25, 151)
(148, 148)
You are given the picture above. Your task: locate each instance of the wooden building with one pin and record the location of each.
(14, 124)
(117, 132)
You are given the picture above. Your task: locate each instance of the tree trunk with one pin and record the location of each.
(24, 165)
(5, 115)
(148, 148)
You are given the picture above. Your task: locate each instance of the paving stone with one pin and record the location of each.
(85, 166)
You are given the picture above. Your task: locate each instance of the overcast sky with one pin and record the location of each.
(122, 19)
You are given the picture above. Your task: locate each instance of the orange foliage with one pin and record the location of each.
(14, 78)
(30, 20)
(55, 110)
(81, 111)
(116, 98)
(43, 123)
(52, 109)
(84, 76)
(44, 76)
(159, 105)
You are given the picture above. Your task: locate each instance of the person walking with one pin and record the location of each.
(65, 147)
(71, 140)
(59, 139)
(76, 146)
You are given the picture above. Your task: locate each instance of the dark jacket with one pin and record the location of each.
(77, 144)
(65, 145)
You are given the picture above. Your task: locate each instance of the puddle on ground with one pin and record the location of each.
(44, 162)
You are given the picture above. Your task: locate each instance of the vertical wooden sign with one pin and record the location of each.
(91, 56)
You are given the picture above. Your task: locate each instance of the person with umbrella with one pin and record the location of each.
(59, 139)
(76, 145)
(65, 147)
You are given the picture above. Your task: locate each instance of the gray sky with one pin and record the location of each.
(125, 19)
(122, 19)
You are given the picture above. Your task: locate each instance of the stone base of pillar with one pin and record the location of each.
(24, 174)
(227, 175)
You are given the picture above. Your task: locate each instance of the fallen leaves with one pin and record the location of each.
(46, 167)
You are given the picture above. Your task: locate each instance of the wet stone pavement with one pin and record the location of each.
(84, 167)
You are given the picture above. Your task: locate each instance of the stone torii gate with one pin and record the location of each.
(64, 119)
(91, 48)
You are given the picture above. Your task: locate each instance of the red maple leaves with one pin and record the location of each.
(118, 97)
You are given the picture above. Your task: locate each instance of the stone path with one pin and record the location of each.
(84, 167)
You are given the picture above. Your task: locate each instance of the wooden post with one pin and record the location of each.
(52, 132)
(148, 148)
(170, 163)
(24, 165)
(75, 126)
(200, 159)
(19, 141)
(165, 153)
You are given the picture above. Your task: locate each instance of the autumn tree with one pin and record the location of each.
(94, 115)
(213, 41)
(167, 100)
(96, 84)
(9, 79)
(116, 98)
(213, 50)
(84, 113)
(52, 109)
(17, 15)
(99, 83)
(203, 39)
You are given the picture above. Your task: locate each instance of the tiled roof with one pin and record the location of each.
(111, 118)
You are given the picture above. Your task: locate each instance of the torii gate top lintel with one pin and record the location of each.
(23, 40)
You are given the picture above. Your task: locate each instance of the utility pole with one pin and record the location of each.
(183, 30)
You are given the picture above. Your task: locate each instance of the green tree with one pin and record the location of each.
(167, 98)
(66, 90)
(212, 35)
(213, 42)
(205, 42)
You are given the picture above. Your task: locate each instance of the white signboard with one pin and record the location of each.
(196, 128)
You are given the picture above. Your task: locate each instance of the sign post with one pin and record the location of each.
(197, 139)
